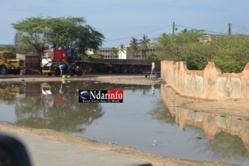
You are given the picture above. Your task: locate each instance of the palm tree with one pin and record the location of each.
(144, 44)
(122, 48)
(114, 51)
(134, 46)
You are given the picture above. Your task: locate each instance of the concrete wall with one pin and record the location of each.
(210, 83)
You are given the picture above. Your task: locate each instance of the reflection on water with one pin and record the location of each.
(8, 92)
(54, 106)
(229, 135)
(151, 118)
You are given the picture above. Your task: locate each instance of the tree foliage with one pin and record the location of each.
(8, 48)
(122, 48)
(71, 32)
(229, 52)
(144, 45)
(97, 56)
(141, 47)
(134, 47)
(153, 56)
(114, 51)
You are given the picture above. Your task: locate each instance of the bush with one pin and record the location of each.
(230, 53)
(153, 56)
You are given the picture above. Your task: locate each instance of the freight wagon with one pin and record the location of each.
(58, 62)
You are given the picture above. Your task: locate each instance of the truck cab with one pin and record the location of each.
(58, 62)
(9, 64)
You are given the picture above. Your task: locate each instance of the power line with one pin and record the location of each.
(149, 32)
(240, 29)
(213, 32)
(175, 28)
(231, 27)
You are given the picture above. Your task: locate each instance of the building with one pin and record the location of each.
(205, 39)
(118, 53)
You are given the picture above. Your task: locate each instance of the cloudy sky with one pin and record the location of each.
(120, 20)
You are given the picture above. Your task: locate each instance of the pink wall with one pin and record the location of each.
(209, 84)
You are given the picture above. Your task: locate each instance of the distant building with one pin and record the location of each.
(205, 39)
(126, 53)
(108, 53)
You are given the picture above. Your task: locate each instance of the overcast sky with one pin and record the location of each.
(120, 20)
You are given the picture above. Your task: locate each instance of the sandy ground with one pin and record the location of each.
(81, 142)
(116, 79)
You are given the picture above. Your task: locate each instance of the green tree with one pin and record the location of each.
(114, 51)
(153, 56)
(89, 39)
(21, 47)
(231, 53)
(167, 45)
(122, 48)
(71, 32)
(8, 48)
(134, 48)
(97, 56)
(144, 45)
(32, 31)
(185, 46)
(196, 55)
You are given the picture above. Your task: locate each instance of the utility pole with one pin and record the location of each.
(174, 26)
(229, 29)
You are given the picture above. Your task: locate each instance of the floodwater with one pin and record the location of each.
(148, 119)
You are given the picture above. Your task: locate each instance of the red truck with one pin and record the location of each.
(59, 62)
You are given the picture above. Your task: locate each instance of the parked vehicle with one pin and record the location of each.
(115, 65)
(66, 62)
(57, 62)
(53, 59)
(9, 64)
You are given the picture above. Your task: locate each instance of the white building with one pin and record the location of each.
(109, 53)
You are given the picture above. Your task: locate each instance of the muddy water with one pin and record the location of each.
(148, 119)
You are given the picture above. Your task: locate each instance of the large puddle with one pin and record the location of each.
(143, 120)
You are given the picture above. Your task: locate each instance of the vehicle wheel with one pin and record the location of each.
(146, 69)
(57, 72)
(79, 72)
(3, 70)
(16, 72)
(49, 74)
(124, 69)
(88, 69)
(115, 69)
(3, 85)
(139, 69)
(132, 69)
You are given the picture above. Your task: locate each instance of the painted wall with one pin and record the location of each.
(210, 83)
